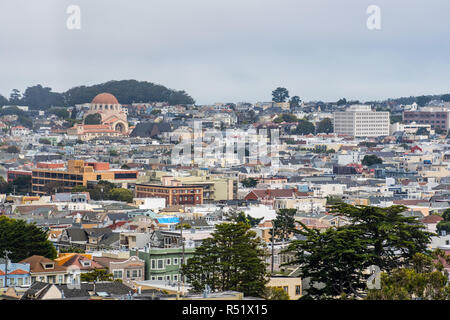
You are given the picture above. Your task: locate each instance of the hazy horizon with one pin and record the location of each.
(231, 51)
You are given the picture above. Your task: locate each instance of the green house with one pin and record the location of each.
(163, 263)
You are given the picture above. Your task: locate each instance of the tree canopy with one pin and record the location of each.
(24, 240)
(335, 261)
(325, 126)
(305, 127)
(232, 259)
(128, 92)
(280, 95)
(370, 160)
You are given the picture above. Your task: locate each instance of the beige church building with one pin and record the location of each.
(113, 119)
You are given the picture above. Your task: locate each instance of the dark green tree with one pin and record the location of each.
(38, 97)
(3, 101)
(15, 97)
(335, 261)
(284, 224)
(13, 149)
(370, 160)
(247, 219)
(95, 118)
(232, 259)
(423, 100)
(295, 102)
(325, 126)
(121, 194)
(280, 95)
(395, 238)
(249, 182)
(24, 240)
(342, 102)
(305, 127)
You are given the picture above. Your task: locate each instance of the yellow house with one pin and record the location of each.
(291, 285)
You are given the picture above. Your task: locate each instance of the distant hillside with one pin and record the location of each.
(127, 92)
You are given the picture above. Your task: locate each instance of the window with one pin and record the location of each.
(153, 278)
(117, 274)
(298, 290)
(160, 278)
(175, 261)
(168, 262)
(20, 281)
(128, 274)
(168, 278)
(286, 288)
(175, 277)
(153, 264)
(160, 264)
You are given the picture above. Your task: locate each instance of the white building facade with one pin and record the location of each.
(361, 121)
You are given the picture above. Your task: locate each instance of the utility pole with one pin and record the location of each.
(273, 237)
(182, 245)
(6, 252)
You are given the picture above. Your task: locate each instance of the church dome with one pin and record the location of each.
(105, 98)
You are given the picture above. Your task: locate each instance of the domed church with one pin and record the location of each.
(110, 110)
(114, 120)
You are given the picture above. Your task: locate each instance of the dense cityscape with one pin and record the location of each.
(165, 199)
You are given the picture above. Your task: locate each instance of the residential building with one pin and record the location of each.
(163, 263)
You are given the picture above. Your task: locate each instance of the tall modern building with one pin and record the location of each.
(361, 121)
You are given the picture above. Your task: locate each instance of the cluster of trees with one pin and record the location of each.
(304, 126)
(22, 117)
(126, 91)
(98, 275)
(280, 95)
(20, 185)
(23, 240)
(105, 190)
(335, 262)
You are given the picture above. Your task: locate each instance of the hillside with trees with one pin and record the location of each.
(126, 91)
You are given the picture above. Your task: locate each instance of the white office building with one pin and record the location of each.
(361, 121)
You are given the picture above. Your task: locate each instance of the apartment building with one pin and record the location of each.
(361, 121)
(436, 117)
(76, 173)
(173, 191)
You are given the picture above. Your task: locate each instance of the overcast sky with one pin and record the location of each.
(231, 50)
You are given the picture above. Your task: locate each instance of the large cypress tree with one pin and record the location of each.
(24, 240)
(233, 259)
(336, 260)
